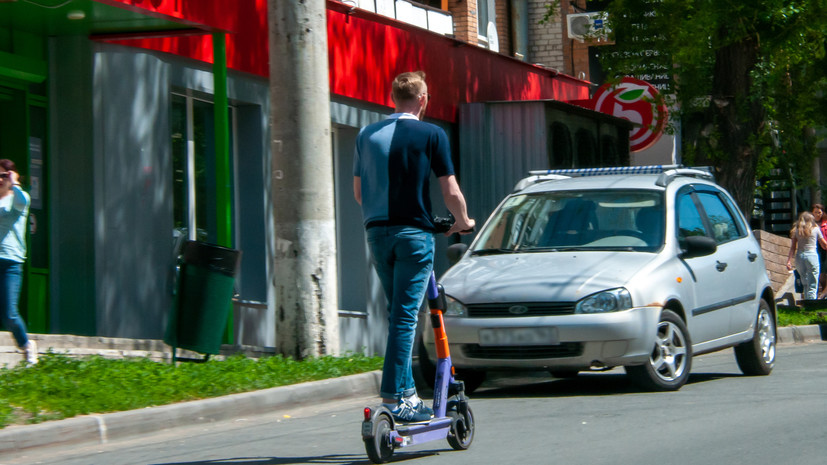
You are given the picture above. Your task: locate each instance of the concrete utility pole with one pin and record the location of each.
(302, 180)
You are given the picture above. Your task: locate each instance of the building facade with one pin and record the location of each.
(115, 109)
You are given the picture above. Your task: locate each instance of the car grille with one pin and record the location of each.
(499, 310)
(566, 349)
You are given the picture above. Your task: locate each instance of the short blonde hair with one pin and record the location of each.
(408, 86)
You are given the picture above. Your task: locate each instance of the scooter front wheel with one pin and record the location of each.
(379, 447)
(462, 429)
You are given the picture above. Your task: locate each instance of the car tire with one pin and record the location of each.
(757, 356)
(670, 360)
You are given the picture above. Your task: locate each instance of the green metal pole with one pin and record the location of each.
(223, 183)
(223, 174)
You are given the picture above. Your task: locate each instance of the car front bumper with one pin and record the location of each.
(550, 342)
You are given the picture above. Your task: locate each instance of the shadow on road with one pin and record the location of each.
(344, 459)
(585, 384)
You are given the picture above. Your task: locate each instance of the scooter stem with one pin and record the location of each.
(444, 367)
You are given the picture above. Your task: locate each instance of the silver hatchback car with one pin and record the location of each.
(591, 272)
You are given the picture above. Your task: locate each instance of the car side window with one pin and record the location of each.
(690, 222)
(724, 227)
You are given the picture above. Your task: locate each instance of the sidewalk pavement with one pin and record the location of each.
(110, 426)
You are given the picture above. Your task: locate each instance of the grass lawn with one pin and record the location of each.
(795, 316)
(62, 387)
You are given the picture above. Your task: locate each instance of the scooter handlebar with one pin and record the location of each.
(442, 224)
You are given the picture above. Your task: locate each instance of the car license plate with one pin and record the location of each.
(546, 335)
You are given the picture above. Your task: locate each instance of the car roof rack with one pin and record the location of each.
(667, 173)
(700, 172)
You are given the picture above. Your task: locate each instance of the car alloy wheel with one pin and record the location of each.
(671, 358)
(757, 356)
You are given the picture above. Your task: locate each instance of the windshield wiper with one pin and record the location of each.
(559, 248)
(491, 251)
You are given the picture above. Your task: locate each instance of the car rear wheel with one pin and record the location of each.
(757, 357)
(670, 360)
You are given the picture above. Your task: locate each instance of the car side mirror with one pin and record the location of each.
(698, 246)
(455, 252)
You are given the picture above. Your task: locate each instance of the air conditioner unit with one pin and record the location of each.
(594, 25)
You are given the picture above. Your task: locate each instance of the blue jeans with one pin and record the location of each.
(807, 265)
(11, 277)
(404, 258)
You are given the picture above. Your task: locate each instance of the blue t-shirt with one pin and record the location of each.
(394, 159)
(14, 209)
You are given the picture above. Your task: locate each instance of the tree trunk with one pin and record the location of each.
(304, 256)
(736, 119)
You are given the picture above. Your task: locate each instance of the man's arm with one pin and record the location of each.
(455, 202)
(357, 189)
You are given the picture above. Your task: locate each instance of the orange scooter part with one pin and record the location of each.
(440, 337)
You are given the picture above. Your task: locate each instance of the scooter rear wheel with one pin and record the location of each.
(379, 447)
(462, 429)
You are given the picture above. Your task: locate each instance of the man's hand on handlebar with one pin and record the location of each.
(462, 227)
(448, 225)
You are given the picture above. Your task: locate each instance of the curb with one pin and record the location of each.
(801, 334)
(101, 428)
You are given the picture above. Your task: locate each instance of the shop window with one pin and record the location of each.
(194, 176)
(431, 3)
(608, 151)
(587, 156)
(560, 155)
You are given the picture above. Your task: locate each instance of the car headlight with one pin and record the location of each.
(613, 300)
(454, 307)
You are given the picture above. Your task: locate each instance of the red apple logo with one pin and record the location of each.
(636, 101)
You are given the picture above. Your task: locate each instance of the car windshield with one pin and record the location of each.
(576, 220)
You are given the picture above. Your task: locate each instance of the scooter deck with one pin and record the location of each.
(408, 429)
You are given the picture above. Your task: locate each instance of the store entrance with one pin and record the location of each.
(23, 141)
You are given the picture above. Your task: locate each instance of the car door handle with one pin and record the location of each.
(751, 256)
(720, 266)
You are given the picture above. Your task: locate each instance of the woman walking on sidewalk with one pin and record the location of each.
(821, 220)
(14, 211)
(806, 237)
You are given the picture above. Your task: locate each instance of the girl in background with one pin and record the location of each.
(806, 237)
(821, 219)
(14, 210)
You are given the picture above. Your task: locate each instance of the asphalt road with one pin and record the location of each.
(720, 416)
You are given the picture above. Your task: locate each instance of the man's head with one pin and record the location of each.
(410, 93)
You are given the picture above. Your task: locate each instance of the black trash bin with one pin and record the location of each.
(204, 297)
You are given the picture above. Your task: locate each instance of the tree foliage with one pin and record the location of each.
(748, 79)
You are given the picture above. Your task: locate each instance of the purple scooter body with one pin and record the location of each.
(453, 419)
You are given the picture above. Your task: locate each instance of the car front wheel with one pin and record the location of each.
(670, 360)
(757, 357)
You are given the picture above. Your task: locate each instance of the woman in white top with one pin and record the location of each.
(806, 236)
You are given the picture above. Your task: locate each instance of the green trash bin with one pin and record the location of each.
(206, 284)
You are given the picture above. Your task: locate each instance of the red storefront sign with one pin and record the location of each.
(365, 52)
(636, 101)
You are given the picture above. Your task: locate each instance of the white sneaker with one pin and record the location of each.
(30, 352)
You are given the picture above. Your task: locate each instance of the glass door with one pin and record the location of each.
(23, 139)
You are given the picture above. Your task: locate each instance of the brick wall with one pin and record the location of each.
(775, 250)
(576, 53)
(465, 19)
(503, 28)
(545, 41)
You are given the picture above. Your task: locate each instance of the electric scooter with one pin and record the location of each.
(453, 419)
